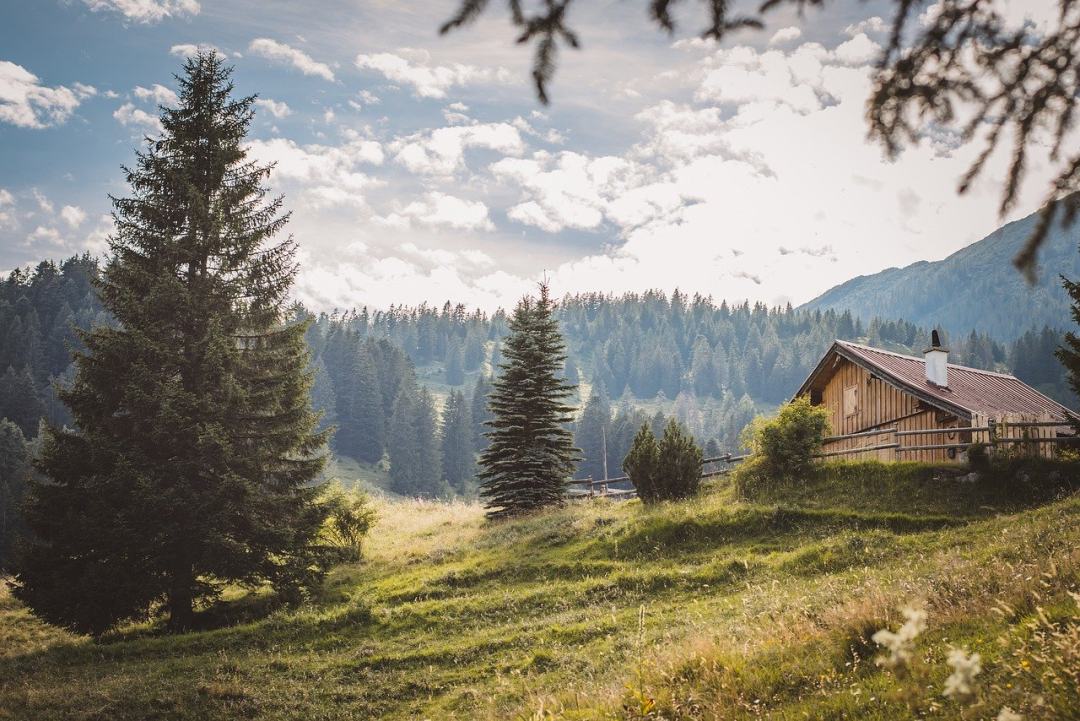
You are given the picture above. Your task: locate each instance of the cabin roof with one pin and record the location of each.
(970, 390)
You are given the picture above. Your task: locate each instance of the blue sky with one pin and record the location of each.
(421, 168)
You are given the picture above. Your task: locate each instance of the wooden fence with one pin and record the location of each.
(1004, 435)
(710, 468)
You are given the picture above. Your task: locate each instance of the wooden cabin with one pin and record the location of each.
(889, 407)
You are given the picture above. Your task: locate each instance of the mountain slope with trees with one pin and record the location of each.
(976, 287)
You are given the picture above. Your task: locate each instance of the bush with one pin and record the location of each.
(348, 522)
(664, 471)
(786, 444)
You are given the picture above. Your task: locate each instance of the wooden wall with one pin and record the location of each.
(879, 406)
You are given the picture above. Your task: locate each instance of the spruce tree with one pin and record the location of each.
(480, 413)
(1069, 352)
(196, 445)
(531, 453)
(591, 435)
(19, 401)
(15, 470)
(455, 364)
(458, 458)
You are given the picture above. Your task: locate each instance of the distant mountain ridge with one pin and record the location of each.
(975, 287)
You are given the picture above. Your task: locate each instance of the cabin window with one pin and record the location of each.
(851, 401)
(815, 397)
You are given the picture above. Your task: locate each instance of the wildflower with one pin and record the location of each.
(961, 683)
(900, 644)
(1007, 714)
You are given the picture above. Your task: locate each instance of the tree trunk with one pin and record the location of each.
(181, 600)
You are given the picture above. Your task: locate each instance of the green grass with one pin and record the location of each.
(714, 608)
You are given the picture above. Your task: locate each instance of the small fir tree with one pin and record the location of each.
(458, 458)
(196, 447)
(480, 412)
(531, 453)
(15, 470)
(455, 364)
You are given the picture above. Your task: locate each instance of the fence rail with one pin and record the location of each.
(1044, 435)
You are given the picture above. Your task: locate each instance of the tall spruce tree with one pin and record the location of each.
(458, 457)
(196, 443)
(480, 413)
(531, 453)
(15, 470)
(591, 436)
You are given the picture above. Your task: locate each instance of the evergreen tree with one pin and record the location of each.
(480, 413)
(19, 401)
(15, 470)
(455, 364)
(591, 433)
(1069, 352)
(458, 457)
(196, 446)
(367, 413)
(531, 454)
(415, 463)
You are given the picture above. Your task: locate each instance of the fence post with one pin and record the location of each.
(991, 435)
(591, 493)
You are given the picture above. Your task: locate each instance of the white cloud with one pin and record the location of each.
(146, 11)
(859, 50)
(329, 175)
(282, 53)
(442, 210)
(442, 151)
(160, 94)
(785, 35)
(43, 202)
(73, 215)
(131, 117)
(426, 80)
(871, 25)
(26, 103)
(275, 108)
(187, 50)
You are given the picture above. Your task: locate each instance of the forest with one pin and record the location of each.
(405, 386)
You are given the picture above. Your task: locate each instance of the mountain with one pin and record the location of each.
(976, 287)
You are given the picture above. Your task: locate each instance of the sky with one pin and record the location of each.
(421, 168)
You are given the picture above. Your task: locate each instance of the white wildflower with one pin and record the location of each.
(901, 644)
(961, 683)
(1007, 714)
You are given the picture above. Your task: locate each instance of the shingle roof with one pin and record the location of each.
(970, 390)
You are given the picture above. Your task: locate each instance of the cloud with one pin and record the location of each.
(160, 94)
(73, 215)
(26, 103)
(146, 11)
(442, 151)
(187, 50)
(874, 25)
(859, 50)
(426, 80)
(275, 108)
(329, 175)
(282, 53)
(131, 117)
(441, 210)
(785, 35)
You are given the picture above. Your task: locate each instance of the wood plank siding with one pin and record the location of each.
(882, 406)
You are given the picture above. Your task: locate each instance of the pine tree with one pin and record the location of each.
(415, 462)
(15, 470)
(591, 434)
(1069, 352)
(367, 408)
(480, 413)
(531, 454)
(458, 458)
(455, 364)
(196, 446)
(19, 401)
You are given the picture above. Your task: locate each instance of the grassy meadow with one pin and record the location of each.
(715, 608)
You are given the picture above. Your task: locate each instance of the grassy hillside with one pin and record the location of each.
(966, 290)
(718, 608)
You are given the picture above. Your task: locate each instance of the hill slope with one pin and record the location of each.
(975, 287)
(715, 608)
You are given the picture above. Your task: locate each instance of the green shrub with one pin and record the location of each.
(785, 445)
(664, 471)
(350, 518)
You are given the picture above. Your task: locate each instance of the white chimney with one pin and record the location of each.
(937, 362)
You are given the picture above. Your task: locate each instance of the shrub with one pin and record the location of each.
(785, 445)
(978, 457)
(664, 471)
(350, 518)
